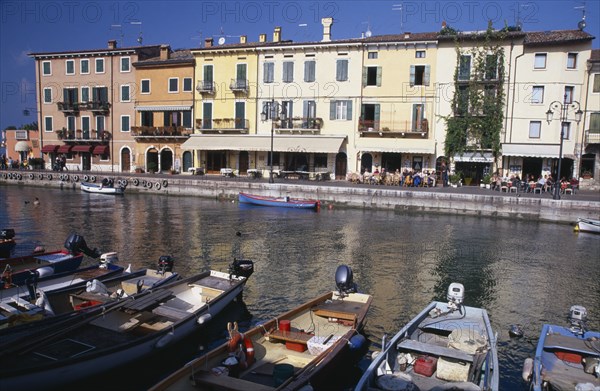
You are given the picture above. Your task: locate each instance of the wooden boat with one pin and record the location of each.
(447, 346)
(102, 188)
(588, 225)
(18, 271)
(110, 337)
(7, 242)
(282, 202)
(306, 346)
(566, 358)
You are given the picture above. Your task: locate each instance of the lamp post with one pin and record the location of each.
(272, 110)
(564, 108)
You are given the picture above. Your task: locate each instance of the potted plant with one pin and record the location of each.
(485, 181)
(587, 174)
(455, 179)
(60, 133)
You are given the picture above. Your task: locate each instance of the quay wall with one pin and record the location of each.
(400, 200)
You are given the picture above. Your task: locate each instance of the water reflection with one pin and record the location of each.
(522, 272)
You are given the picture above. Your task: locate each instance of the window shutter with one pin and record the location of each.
(332, 109)
(305, 113)
(412, 75)
(364, 76)
(349, 112)
(377, 112)
(65, 95)
(426, 75)
(379, 75)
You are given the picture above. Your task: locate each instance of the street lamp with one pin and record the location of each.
(564, 108)
(274, 111)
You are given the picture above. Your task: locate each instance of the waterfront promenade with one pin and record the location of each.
(465, 200)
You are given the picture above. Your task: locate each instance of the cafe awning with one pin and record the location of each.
(475, 157)
(531, 150)
(82, 148)
(163, 108)
(49, 148)
(100, 150)
(64, 149)
(306, 144)
(22, 146)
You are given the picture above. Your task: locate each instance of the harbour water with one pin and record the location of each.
(522, 272)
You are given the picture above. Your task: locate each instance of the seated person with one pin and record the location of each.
(417, 181)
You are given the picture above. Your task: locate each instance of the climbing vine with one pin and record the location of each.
(478, 99)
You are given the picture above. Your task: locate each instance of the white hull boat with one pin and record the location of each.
(102, 189)
(588, 225)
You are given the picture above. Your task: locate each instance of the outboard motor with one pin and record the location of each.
(76, 243)
(578, 317)
(241, 267)
(456, 295)
(7, 233)
(165, 264)
(344, 281)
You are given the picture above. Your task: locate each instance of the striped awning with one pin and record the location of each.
(22, 146)
(306, 144)
(49, 148)
(163, 108)
(100, 150)
(64, 149)
(531, 150)
(82, 148)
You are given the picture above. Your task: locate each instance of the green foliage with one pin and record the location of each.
(152, 166)
(11, 127)
(456, 177)
(447, 30)
(31, 126)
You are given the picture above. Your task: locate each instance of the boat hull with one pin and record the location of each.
(48, 265)
(588, 225)
(281, 202)
(99, 189)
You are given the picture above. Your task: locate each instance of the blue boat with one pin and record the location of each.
(281, 202)
(566, 358)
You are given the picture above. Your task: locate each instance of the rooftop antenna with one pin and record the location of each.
(398, 7)
(368, 33)
(120, 29)
(519, 22)
(221, 40)
(139, 38)
(581, 25)
(199, 37)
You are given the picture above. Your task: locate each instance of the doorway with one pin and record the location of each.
(244, 162)
(125, 160)
(341, 165)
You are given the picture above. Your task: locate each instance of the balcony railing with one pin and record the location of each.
(592, 136)
(206, 86)
(223, 125)
(371, 128)
(74, 107)
(300, 125)
(160, 131)
(239, 85)
(68, 107)
(83, 135)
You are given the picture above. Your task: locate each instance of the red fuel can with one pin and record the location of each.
(425, 365)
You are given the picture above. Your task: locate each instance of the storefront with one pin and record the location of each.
(473, 166)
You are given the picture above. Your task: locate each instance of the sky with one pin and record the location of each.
(50, 26)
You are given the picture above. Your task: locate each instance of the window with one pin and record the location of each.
(84, 66)
(341, 72)
(47, 95)
(99, 124)
(569, 94)
(207, 83)
(288, 71)
(419, 75)
(173, 85)
(268, 72)
(464, 70)
(49, 127)
(125, 64)
(420, 54)
(594, 123)
(535, 129)
(187, 84)
(418, 116)
(372, 55)
(145, 86)
(571, 60)
(240, 115)
(540, 61)
(537, 94)
(125, 93)
(566, 130)
(340, 110)
(207, 115)
(124, 123)
(147, 118)
(287, 110)
(70, 67)
(100, 94)
(321, 160)
(187, 119)
(309, 70)
(71, 124)
(491, 67)
(85, 127)
(99, 65)
(241, 76)
(462, 101)
(85, 94)
(268, 110)
(70, 96)
(46, 68)
(275, 159)
(372, 76)
(596, 87)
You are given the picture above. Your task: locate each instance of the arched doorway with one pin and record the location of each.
(166, 160)
(366, 162)
(187, 161)
(341, 165)
(152, 160)
(125, 160)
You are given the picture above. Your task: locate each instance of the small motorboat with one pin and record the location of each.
(106, 187)
(282, 202)
(588, 225)
(566, 358)
(448, 346)
(310, 347)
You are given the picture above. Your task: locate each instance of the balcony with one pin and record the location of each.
(97, 107)
(68, 107)
(298, 125)
(223, 125)
(592, 136)
(92, 136)
(406, 129)
(141, 133)
(205, 87)
(239, 85)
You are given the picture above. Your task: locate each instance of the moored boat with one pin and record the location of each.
(137, 327)
(566, 358)
(282, 202)
(310, 346)
(7, 242)
(588, 225)
(447, 346)
(106, 187)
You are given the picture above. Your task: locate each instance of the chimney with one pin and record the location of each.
(262, 38)
(112, 44)
(208, 43)
(277, 34)
(326, 22)
(443, 24)
(407, 35)
(243, 39)
(164, 52)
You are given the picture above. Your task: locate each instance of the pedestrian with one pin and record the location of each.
(445, 174)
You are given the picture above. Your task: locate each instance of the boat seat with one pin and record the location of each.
(170, 312)
(411, 344)
(570, 344)
(147, 301)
